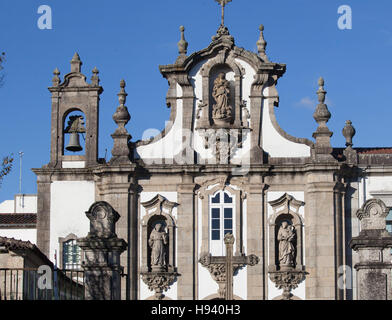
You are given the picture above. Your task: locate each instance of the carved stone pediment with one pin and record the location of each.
(159, 204)
(286, 203)
(287, 280)
(102, 218)
(159, 282)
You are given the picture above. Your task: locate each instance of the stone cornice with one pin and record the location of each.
(213, 49)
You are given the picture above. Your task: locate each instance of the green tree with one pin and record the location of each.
(7, 162)
(6, 166)
(2, 59)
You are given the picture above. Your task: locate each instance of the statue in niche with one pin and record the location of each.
(221, 111)
(286, 236)
(158, 241)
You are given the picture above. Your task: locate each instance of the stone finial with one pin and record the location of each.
(95, 77)
(56, 79)
(121, 137)
(349, 132)
(262, 44)
(182, 44)
(321, 93)
(121, 116)
(76, 63)
(322, 116)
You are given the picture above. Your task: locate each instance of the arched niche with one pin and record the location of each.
(286, 209)
(159, 210)
(225, 63)
(69, 118)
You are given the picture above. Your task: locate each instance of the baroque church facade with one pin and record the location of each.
(223, 202)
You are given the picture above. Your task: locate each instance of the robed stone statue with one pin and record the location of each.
(221, 111)
(286, 237)
(158, 241)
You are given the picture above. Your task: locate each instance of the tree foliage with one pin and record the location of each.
(2, 59)
(6, 166)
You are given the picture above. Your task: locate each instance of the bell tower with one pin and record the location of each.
(75, 112)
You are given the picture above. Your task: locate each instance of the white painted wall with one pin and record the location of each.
(69, 200)
(206, 285)
(7, 206)
(20, 234)
(22, 203)
(74, 164)
(275, 144)
(144, 292)
(26, 203)
(273, 292)
(171, 144)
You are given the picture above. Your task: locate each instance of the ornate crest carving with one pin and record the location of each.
(159, 282)
(287, 280)
(102, 218)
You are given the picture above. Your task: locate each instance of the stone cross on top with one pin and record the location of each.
(223, 4)
(222, 269)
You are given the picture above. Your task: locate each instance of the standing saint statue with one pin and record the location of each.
(221, 111)
(286, 235)
(157, 241)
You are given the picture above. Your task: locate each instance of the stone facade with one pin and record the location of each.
(222, 165)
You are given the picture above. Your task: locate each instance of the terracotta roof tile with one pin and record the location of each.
(24, 246)
(18, 219)
(374, 150)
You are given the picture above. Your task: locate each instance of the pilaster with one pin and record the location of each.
(255, 237)
(186, 239)
(320, 242)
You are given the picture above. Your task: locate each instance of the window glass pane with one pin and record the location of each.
(71, 255)
(215, 224)
(228, 231)
(216, 199)
(228, 224)
(215, 235)
(228, 213)
(389, 216)
(215, 213)
(228, 199)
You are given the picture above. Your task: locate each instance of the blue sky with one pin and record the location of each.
(129, 39)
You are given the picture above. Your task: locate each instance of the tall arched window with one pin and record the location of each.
(221, 217)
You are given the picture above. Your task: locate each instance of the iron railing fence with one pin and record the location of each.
(28, 284)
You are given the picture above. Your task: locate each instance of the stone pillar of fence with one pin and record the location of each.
(102, 249)
(374, 243)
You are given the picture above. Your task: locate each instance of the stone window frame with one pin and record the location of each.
(209, 188)
(159, 207)
(62, 241)
(386, 197)
(231, 205)
(284, 206)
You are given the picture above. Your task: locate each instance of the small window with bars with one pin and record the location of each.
(71, 255)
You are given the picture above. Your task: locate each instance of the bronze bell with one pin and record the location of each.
(74, 143)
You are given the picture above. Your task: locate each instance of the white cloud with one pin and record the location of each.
(309, 103)
(306, 102)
